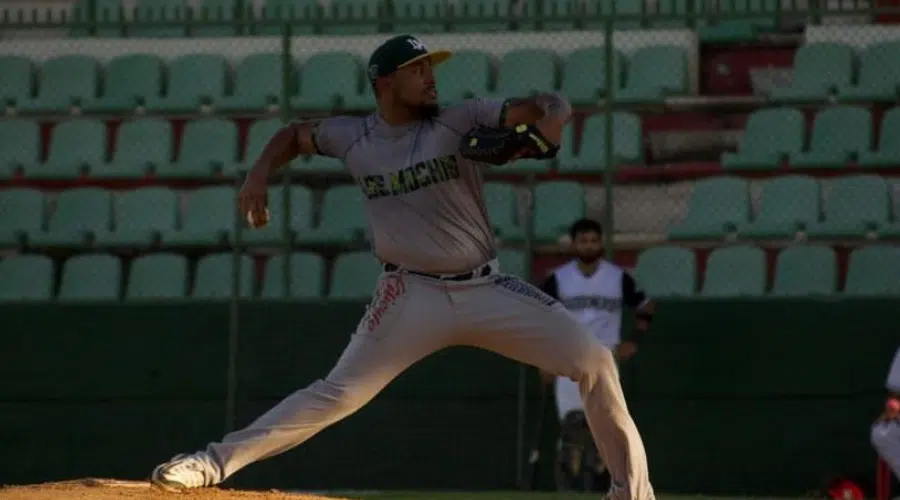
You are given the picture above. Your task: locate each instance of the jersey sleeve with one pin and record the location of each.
(632, 295)
(486, 112)
(551, 287)
(334, 136)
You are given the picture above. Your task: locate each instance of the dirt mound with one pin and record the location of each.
(110, 489)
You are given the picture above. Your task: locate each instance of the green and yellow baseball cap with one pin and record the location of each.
(401, 51)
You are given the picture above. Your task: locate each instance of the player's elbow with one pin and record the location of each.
(883, 437)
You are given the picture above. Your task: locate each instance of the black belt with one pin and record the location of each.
(484, 271)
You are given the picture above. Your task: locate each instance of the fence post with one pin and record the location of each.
(234, 315)
(285, 112)
(609, 167)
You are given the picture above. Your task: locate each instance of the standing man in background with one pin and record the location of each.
(886, 429)
(594, 291)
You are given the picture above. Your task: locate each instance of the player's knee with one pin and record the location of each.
(597, 364)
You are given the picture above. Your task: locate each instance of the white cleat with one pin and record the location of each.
(197, 470)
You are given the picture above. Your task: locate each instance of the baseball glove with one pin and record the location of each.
(496, 146)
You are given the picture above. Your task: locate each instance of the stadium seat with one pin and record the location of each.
(363, 101)
(140, 217)
(745, 27)
(597, 12)
(526, 72)
(90, 277)
(839, 135)
(258, 134)
(26, 278)
(805, 270)
(501, 202)
(318, 164)
(65, 81)
(420, 16)
(76, 147)
(514, 262)
(142, 147)
(887, 153)
(257, 83)
(208, 218)
(108, 12)
(556, 205)
(879, 75)
(157, 276)
(150, 14)
(718, 206)
(301, 15)
(787, 205)
(559, 14)
(306, 277)
(343, 218)
(23, 212)
(209, 146)
(352, 17)
(301, 217)
(819, 70)
(467, 74)
(735, 271)
(214, 278)
(495, 15)
(770, 137)
(628, 143)
(873, 270)
(326, 80)
(129, 80)
(194, 80)
(18, 80)
(19, 146)
(654, 73)
(665, 271)
(853, 206)
(220, 12)
(584, 75)
(354, 276)
(79, 213)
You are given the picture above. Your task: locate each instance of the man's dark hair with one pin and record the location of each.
(585, 226)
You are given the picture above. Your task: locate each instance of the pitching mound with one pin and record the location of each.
(109, 489)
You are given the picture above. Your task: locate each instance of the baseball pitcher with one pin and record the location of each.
(420, 168)
(886, 429)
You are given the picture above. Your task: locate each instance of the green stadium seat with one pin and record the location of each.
(214, 278)
(301, 217)
(66, 81)
(718, 206)
(420, 16)
(79, 213)
(26, 278)
(514, 262)
(140, 217)
(805, 270)
(208, 218)
(258, 84)
(559, 14)
(363, 101)
(494, 15)
(354, 276)
(76, 147)
(129, 81)
(888, 152)
(326, 80)
(735, 271)
(209, 146)
(596, 12)
(352, 17)
(157, 276)
(108, 12)
(90, 277)
(194, 80)
(258, 134)
(306, 277)
(318, 165)
(220, 12)
(526, 72)
(465, 75)
(18, 80)
(879, 75)
(142, 146)
(628, 143)
(787, 205)
(839, 135)
(666, 271)
(873, 270)
(745, 27)
(675, 12)
(23, 212)
(556, 205)
(343, 218)
(654, 73)
(301, 15)
(854, 205)
(584, 75)
(820, 69)
(501, 203)
(770, 137)
(19, 145)
(149, 14)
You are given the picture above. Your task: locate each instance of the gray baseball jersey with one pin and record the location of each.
(425, 203)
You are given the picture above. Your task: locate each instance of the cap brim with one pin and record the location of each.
(436, 57)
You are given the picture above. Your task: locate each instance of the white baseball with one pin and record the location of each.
(252, 221)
